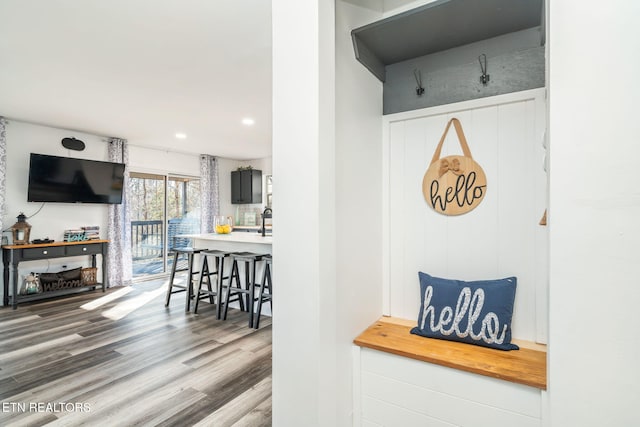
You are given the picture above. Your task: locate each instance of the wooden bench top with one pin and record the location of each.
(526, 366)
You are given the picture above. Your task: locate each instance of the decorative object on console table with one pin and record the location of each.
(454, 185)
(41, 241)
(89, 276)
(75, 235)
(21, 230)
(31, 284)
(63, 280)
(91, 232)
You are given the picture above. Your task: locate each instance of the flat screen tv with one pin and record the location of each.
(69, 180)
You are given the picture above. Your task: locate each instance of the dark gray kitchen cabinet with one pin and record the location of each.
(246, 186)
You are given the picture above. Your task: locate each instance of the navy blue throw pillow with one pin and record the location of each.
(477, 312)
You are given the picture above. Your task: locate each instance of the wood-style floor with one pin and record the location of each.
(132, 362)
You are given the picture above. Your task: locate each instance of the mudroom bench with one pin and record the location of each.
(461, 384)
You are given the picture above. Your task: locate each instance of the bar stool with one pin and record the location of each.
(205, 278)
(245, 292)
(188, 286)
(265, 284)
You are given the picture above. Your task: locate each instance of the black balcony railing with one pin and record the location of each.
(147, 237)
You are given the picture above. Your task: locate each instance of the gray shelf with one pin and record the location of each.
(55, 294)
(439, 26)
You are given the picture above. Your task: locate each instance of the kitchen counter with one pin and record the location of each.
(251, 228)
(234, 241)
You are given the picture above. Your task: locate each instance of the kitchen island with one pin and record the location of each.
(235, 242)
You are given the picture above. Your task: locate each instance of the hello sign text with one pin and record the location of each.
(454, 185)
(464, 193)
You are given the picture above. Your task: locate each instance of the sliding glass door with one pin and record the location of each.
(162, 207)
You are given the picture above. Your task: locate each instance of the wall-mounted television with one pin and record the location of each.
(69, 180)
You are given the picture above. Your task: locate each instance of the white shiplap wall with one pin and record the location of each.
(501, 237)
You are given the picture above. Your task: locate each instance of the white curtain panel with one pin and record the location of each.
(119, 266)
(210, 200)
(3, 168)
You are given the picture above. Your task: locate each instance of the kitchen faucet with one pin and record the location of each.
(267, 213)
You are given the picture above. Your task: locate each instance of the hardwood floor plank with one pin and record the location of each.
(15, 340)
(16, 322)
(154, 410)
(154, 366)
(242, 342)
(240, 378)
(32, 420)
(35, 377)
(134, 392)
(260, 416)
(11, 357)
(187, 416)
(249, 402)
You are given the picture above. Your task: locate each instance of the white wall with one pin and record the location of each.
(594, 214)
(53, 218)
(328, 251)
(295, 326)
(358, 199)
(145, 159)
(304, 318)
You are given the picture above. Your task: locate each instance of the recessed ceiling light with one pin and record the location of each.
(181, 135)
(248, 121)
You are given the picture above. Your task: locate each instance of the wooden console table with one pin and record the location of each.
(15, 254)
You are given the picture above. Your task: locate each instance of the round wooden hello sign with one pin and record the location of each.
(454, 185)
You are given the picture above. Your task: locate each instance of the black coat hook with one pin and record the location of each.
(484, 78)
(418, 76)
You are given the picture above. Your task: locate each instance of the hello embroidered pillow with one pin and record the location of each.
(477, 312)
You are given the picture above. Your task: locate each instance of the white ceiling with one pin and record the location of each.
(142, 70)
